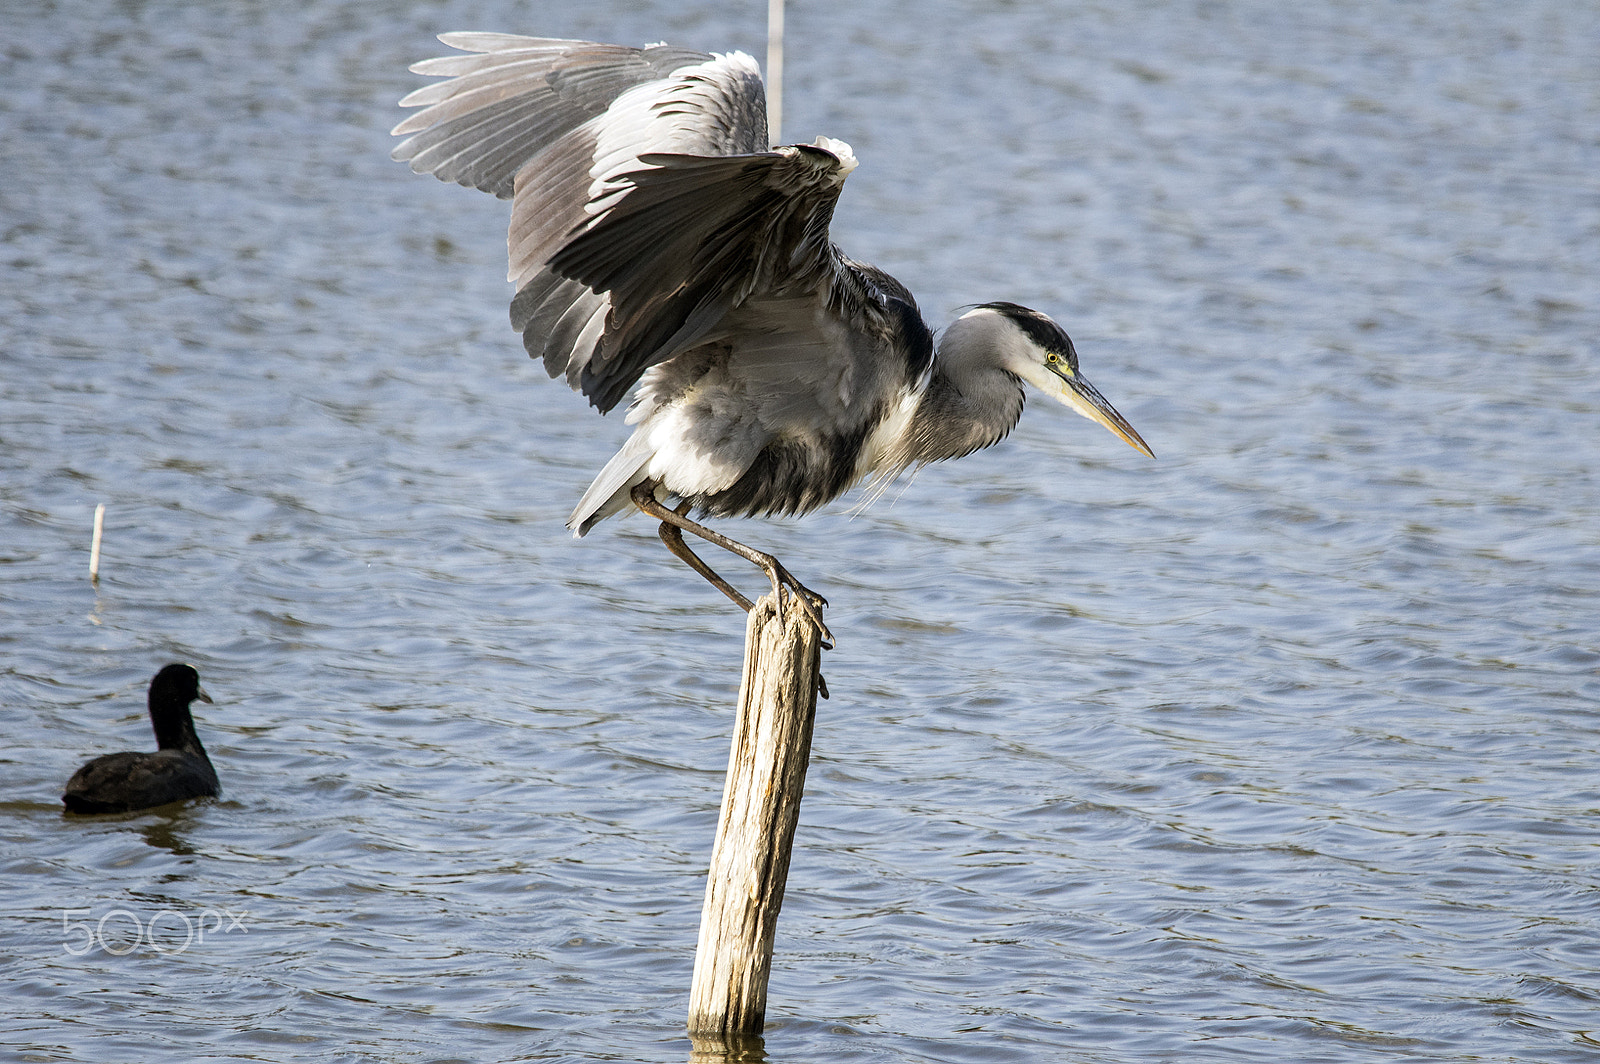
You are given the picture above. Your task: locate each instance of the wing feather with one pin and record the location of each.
(520, 95)
(645, 205)
(691, 237)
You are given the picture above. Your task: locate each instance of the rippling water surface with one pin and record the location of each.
(1281, 748)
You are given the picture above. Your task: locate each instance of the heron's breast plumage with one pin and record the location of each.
(735, 440)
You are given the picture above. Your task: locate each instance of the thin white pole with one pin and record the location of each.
(775, 70)
(94, 547)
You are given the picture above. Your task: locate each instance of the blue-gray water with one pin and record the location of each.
(1281, 748)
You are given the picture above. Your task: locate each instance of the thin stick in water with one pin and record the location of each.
(94, 548)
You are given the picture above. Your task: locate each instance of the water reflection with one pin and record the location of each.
(727, 1049)
(166, 831)
(170, 833)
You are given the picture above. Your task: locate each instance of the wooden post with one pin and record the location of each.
(760, 806)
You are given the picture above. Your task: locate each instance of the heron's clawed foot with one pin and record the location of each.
(811, 602)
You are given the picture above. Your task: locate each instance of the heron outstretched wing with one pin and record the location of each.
(690, 238)
(517, 97)
(645, 202)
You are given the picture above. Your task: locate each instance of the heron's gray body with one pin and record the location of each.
(657, 241)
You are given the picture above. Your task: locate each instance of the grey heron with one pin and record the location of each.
(658, 241)
(177, 769)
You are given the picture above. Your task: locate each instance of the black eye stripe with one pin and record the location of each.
(1040, 329)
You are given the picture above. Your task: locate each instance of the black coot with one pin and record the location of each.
(120, 783)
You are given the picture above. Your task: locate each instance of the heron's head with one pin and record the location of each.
(1036, 349)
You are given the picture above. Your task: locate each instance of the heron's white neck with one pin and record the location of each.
(974, 395)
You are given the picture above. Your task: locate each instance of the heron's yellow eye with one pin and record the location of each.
(1052, 358)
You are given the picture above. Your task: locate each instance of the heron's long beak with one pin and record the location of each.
(1077, 393)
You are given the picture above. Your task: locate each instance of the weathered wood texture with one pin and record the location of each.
(760, 806)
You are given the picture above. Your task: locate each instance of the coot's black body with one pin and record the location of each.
(121, 783)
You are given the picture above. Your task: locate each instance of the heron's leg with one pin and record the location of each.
(672, 536)
(644, 498)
